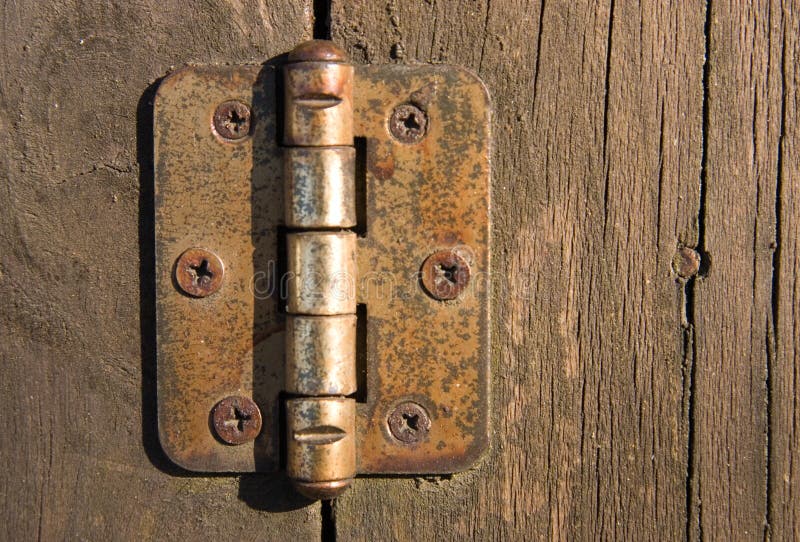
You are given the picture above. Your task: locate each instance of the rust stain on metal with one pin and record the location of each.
(381, 167)
(232, 120)
(236, 420)
(434, 196)
(421, 198)
(227, 199)
(199, 272)
(445, 274)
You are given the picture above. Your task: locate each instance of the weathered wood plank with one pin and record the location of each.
(597, 159)
(606, 366)
(79, 460)
(784, 368)
(733, 304)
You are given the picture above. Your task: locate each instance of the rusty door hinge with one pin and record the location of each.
(335, 286)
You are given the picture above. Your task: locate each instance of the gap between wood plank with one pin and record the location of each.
(328, 526)
(692, 492)
(322, 19)
(772, 331)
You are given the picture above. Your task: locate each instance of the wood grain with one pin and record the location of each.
(597, 162)
(628, 403)
(733, 310)
(79, 450)
(784, 367)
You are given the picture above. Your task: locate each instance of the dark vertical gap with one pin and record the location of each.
(660, 175)
(281, 421)
(701, 213)
(322, 19)
(771, 351)
(690, 361)
(281, 279)
(328, 522)
(776, 271)
(361, 353)
(691, 482)
(538, 55)
(605, 116)
(360, 144)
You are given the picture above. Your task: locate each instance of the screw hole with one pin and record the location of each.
(238, 419)
(201, 272)
(411, 122)
(448, 272)
(235, 122)
(412, 421)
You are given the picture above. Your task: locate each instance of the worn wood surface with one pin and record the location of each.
(79, 449)
(627, 402)
(783, 484)
(597, 160)
(733, 313)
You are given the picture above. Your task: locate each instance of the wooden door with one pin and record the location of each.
(628, 402)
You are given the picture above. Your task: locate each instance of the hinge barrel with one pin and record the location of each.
(319, 168)
(322, 267)
(320, 187)
(319, 355)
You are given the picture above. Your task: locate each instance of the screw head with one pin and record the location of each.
(199, 272)
(236, 420)
(445, 275)
(232, 120)
(408, 123)
(686, 262)
(409, 423)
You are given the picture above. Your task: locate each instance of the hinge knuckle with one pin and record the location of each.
(319, 104)
(319, 355)
(321, 444)
(320, 187)
(321, 272)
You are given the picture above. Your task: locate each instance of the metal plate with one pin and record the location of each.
(226, 197)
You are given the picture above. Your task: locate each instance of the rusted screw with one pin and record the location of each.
(686, 262)
(232, 120)
(408, 123)
(236, 420)
(199, 272)
(409, 423)
(445, 274)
